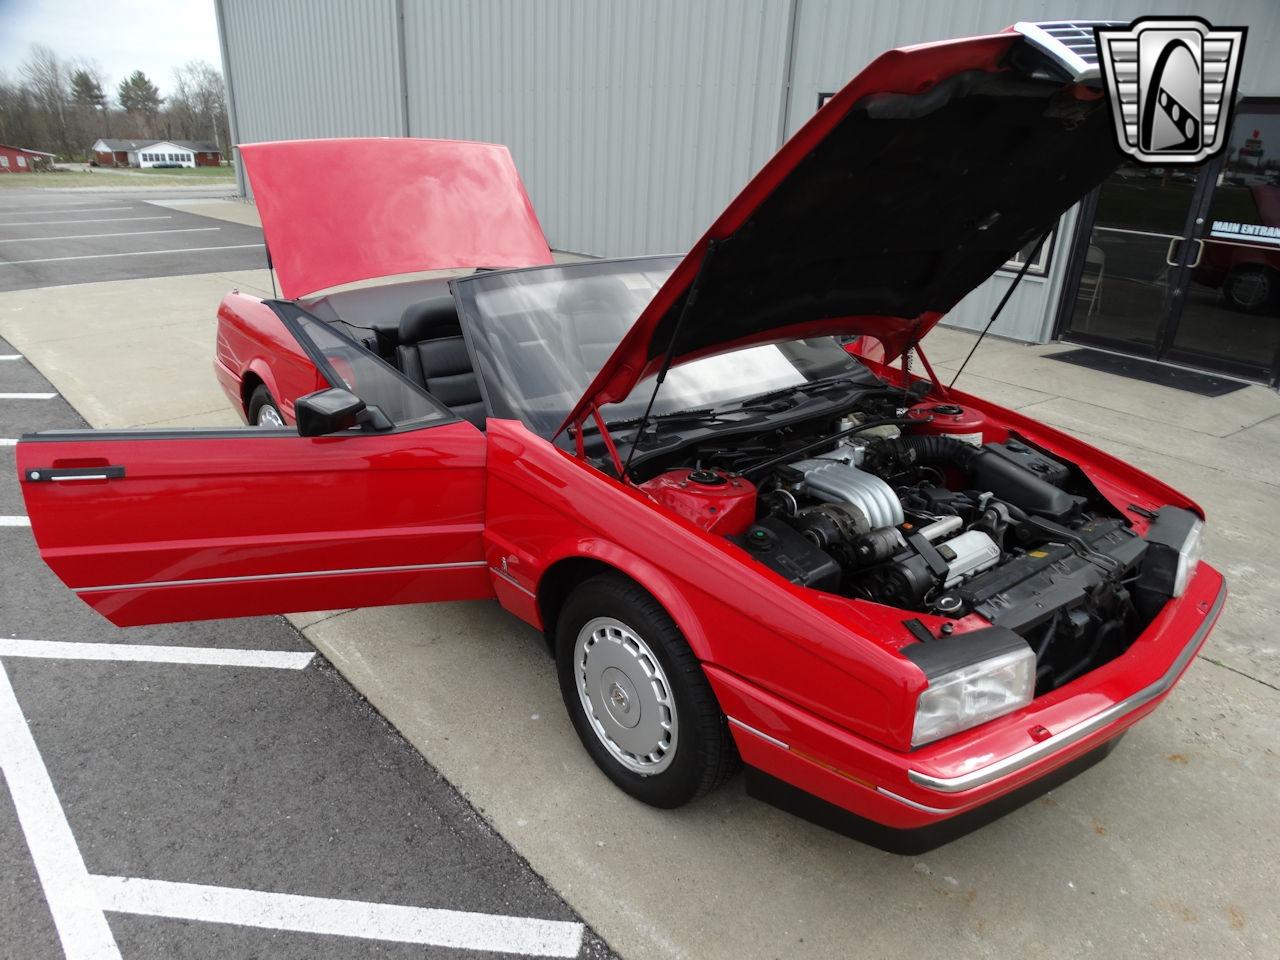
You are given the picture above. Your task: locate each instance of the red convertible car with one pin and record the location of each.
(904, 608)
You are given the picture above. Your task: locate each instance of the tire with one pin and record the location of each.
(263, 405)
(615, 645)
(1250, 289)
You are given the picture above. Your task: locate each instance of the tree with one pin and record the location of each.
(45, 78)
(140, 97)
(198, 104)
(22, 122)
(89, 104)
(86, 90)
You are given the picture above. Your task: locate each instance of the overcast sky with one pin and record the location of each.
(153, 36)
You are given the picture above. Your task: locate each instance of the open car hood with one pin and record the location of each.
(334, 211)
(910, 187)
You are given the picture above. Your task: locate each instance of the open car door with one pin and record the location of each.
(159, 526)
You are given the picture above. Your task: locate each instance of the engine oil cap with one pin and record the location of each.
(706, 478)
(948, 603)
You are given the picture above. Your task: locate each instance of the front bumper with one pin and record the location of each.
(972, 777)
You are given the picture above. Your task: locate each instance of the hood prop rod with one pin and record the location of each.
(689, 301)
(1022, 272)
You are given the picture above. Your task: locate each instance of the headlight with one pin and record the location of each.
(1188, 558)
(1174, 541)
(969, 695)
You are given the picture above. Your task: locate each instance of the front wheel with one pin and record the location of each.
(637, 695)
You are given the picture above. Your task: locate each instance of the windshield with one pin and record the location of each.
(541, 336)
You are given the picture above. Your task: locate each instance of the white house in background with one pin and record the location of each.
(165, 152)
(153, 153)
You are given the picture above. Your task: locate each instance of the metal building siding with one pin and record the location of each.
(633, 124)
(313, 68)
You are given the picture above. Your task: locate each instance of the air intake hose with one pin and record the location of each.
(934, 451)
(989, 470)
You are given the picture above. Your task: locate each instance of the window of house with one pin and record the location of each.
(22, 161)
(1040, 265)
(4, 161)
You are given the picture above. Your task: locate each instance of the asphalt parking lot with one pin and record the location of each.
(1171, 847)
(56, 239)
(219, 790)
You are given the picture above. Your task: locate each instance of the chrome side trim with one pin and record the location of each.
(1023, 758)
(503, 575)
(916, 806)
(759, 733)
(297, 575)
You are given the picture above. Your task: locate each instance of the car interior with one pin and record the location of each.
(414, 327)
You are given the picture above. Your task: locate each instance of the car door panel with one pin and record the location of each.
(164, 526)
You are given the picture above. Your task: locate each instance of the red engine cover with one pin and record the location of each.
(953, 420)
(713, 499)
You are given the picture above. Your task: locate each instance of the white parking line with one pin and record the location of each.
(10, 356)
(6, 442)
(45, 223)
(342, 918)
(153, 653)
(99, 236)
(73, 904)
(15, 522)
(136, 253)
(36, 213)
(27, 396)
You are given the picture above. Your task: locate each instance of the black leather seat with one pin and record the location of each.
(597, 310)
(433, 355)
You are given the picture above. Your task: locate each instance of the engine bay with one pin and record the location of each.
(929, 508)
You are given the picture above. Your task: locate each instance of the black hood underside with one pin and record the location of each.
(908, 204)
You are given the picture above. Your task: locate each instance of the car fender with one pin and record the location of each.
(252, 340)
(260, 368)
(646, 575)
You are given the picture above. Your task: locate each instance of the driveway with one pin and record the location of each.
(60, 239)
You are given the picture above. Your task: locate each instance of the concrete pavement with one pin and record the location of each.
(1169, 847)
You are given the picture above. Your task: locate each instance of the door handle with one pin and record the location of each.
(1199, 253)
(1168, 256)
(63, 474)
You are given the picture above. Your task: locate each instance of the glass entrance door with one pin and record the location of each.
(1130, 272)
(1183, 264)
(1230, 318)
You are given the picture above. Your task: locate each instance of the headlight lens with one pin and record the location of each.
(1188, 558)
(971, 695)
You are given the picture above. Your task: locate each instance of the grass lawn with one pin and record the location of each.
(137, 179)
(191, 173)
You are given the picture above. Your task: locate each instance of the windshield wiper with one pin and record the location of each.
(705, 413)
(796, 388)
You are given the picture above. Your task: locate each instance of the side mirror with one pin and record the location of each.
(327, 411)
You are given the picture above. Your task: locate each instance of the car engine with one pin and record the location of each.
(897, 508)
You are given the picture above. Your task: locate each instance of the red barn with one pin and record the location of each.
(19, 160)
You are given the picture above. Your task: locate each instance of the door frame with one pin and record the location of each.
(1194, 228)
(1175, 287)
